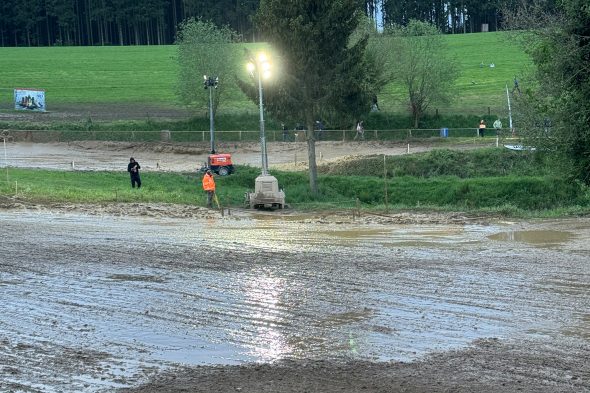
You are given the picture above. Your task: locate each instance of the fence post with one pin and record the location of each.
(343, 135)
(358, 207)
(385, 181)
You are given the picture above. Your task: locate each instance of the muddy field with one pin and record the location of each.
(168, 298)
(146, 301)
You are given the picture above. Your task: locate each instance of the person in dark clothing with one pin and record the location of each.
(133, 169)
(285, 132)
(319, 126)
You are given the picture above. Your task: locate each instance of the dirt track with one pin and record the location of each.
(165, 298)
(92, 155)
(260, 303)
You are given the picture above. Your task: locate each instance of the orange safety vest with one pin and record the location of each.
(208, 183)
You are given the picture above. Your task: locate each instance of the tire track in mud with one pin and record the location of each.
(138, 295)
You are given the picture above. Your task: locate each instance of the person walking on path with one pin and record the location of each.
(209, 187)
(360, 131)
(498, 126)
(133, 169)
(482, 128)
(516, 87)
(285, 132)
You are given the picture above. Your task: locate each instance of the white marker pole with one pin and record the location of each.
(509, 109)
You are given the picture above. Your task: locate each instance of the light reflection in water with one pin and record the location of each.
(263, 292)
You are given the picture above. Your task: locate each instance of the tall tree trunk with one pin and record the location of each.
(89, 23)
(120, 29)
(464, 18)
(160, 30)
(48, 29)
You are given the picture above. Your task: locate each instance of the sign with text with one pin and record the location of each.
(29, 100)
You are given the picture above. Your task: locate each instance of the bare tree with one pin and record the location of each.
(421, 64)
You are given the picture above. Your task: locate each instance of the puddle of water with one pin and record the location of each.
(539, 238)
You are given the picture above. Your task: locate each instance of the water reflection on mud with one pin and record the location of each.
(541, 238)
(147, 292)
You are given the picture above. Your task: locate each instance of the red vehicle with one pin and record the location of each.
(220, 164)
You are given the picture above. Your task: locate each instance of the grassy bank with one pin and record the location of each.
(513, 195)
(477, 163)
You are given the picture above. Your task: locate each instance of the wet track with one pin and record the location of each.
(91, 303)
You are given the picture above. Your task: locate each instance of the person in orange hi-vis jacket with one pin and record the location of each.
(209, 187)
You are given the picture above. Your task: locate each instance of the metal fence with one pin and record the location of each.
(237, 136)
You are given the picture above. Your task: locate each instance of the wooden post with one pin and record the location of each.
(385, 182)
(358, 207)
(343, 135)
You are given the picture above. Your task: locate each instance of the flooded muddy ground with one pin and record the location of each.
(269, 303)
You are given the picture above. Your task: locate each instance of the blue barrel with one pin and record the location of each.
(444, 132)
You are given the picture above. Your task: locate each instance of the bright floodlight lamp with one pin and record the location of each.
(261, 57)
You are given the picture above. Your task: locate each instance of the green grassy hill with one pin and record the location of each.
(147, 75)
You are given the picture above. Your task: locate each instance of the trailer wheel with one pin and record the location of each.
(223, 171)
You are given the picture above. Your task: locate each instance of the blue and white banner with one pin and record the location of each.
(29, 100)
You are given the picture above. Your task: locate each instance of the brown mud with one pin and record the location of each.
(161, 298)
(187, 157)
(168, 298)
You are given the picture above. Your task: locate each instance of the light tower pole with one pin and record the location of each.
(266, 187)
(210, 83)
(261, 67)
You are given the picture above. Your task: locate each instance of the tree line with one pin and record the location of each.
(155, 22)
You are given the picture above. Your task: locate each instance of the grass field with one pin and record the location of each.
(147, 75)
(500, 182)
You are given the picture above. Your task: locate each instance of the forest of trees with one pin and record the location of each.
(154, 22)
